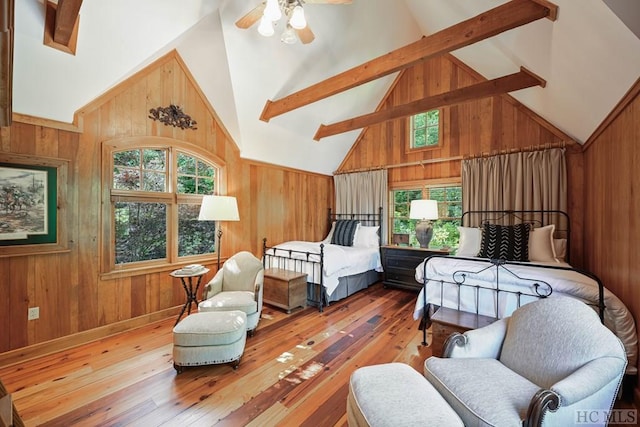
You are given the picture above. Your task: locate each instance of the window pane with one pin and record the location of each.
(187, 185)
(154, 181)
(206, 170)
(432, 136)
(186, 164)
(127, 158)
(126, 179)
(433, 117)
(205, 186)
(419, 121)
(194, 237)
(155, 159)
(419, 138)
(140, 231)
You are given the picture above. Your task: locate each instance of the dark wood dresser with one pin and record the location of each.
(400, 262)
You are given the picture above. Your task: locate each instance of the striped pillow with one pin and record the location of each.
(506, 242)
(344, 232)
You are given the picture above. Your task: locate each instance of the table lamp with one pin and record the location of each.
(425, 211)
(219, 208)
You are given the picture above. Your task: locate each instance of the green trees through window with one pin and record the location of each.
(425, 129)
(156, 195)
(445, 231)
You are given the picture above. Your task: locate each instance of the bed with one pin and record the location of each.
(345, 262)
(490, 285)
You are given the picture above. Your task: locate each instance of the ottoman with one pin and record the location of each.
(209, 337)
(395, 394)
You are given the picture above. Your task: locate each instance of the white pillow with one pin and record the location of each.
(327, 239)
(560, 248)
(470, 240)
(366, 237)
(541, 244)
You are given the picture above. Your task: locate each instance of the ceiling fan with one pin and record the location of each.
(269, 13)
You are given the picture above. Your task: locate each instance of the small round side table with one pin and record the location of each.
(190, 290)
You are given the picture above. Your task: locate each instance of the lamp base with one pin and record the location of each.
(424, 233)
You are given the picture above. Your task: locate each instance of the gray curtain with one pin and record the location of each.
(362, 192)
(533, 180)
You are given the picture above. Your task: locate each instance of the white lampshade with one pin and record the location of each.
(424, 209)
(298, 20)
(219, 208)
(272, 10)
(266, 27)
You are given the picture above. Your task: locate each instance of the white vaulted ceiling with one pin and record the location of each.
(588, 56)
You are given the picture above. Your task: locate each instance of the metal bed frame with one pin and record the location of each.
(465, 278)
(299, 260)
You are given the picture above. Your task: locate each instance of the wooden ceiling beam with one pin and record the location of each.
(495, 21)
(520, 80)
(6, 61)
(61, 24)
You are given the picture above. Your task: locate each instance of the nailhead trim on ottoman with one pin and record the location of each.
(206, 338)
(394, 394)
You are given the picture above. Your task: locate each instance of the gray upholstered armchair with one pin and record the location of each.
(237, 286)
(550, 363)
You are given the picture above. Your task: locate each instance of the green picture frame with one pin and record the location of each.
(28, 200)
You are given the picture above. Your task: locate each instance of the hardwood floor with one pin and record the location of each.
(294, 371)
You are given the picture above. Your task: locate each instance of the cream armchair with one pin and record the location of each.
(551, 363)
(237, 286)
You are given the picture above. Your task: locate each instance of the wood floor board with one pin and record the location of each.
(294, 371)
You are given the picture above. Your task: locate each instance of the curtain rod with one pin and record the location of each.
(540, 147)
(526, 149)
(401, 165)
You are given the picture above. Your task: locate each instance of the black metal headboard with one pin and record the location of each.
(368, 219)
(537, 218)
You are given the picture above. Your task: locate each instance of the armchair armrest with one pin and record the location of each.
(589, 379)
(214, 286)
(485, 342)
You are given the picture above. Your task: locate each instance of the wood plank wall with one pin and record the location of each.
(612, 220)
(490, 125)
(274, 202)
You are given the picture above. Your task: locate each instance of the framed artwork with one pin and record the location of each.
(33, 203)
(27, 204)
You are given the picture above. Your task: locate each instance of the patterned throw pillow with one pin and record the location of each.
(507, 242)
(344, 232)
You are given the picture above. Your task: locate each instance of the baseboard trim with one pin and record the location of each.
(41, 349)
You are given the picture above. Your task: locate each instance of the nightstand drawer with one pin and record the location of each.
(400, 263)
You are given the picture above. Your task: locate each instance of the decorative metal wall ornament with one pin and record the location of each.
(173, 116)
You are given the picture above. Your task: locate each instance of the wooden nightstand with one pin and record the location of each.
(446, 321)
(285, 289)
(400, 262)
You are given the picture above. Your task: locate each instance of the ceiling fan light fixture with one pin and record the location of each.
(289, 35)
(298, 21)
(272, 10)
(266, 27)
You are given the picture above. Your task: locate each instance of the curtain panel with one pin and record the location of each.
(362, 193)
(533, 180)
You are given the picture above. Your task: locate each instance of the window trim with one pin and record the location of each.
(108, 268)
(409, 148)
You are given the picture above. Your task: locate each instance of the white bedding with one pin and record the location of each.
(568, 282)
(339, 261)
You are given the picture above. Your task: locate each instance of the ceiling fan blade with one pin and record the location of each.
(328, 1)
(305, 35)
(251, 18)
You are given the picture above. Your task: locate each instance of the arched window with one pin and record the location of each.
(153, 189)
